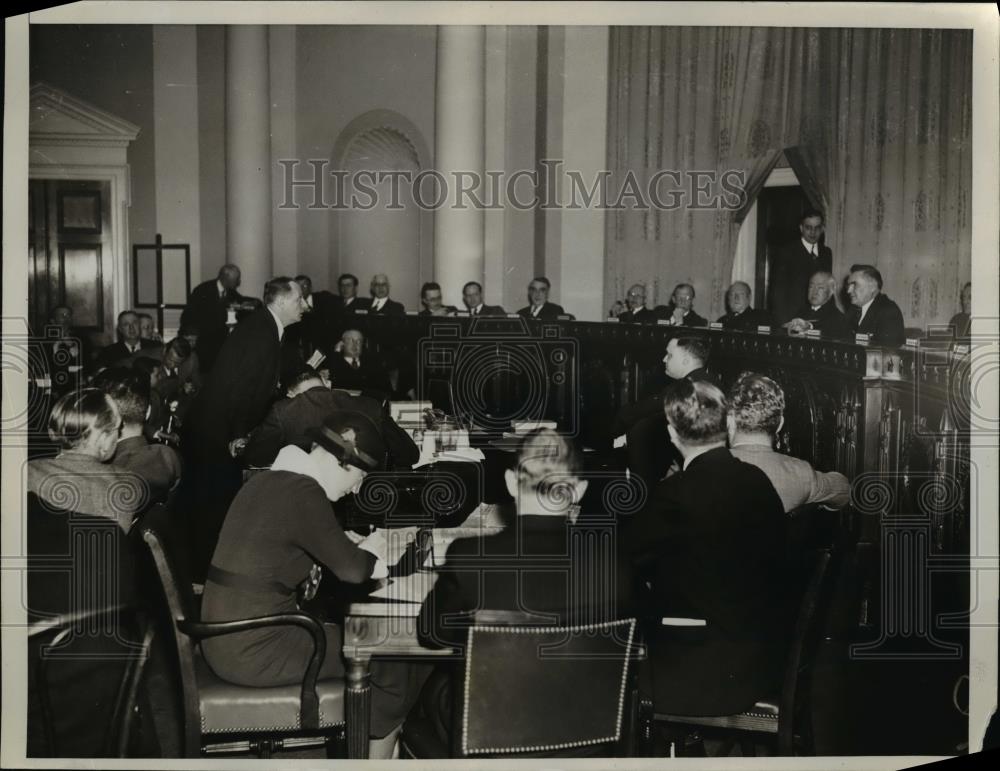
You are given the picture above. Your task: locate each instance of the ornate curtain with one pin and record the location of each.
(876, 123)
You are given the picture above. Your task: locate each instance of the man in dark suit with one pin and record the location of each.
(711, 540)
(309, 403)
(233, 400)
(648, 448)
(793, 264)
(430, 296)
(129, 342)
(317, 322)
(637, 312)
(741, 317)
(472, 297)
(961, 322)
(208, 311)
(381, 303)
(352, 369)
(539, 306)
(873, 313)
(680, 311)
(347, 301)
(820, 310)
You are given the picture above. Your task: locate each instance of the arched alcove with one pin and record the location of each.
(383, 230)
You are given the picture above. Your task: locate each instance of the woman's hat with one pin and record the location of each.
(353, 438)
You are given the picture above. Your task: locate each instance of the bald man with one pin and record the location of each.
(742, 317)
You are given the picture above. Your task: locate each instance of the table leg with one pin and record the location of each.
(357, 706)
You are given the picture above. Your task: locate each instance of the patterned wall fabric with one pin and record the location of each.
(881, 125)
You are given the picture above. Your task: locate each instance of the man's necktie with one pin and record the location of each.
(354, 364)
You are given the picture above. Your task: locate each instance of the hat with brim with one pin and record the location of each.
(353, 438)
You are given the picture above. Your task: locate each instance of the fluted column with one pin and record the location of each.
(459, 146)
(248, 156)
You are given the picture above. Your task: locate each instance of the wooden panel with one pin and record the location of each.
(81, 278)
(79, 212)
(145, 277)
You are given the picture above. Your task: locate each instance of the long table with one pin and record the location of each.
(384, 624)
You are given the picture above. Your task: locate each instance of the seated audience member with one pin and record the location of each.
(381, 303)
(322, 303)
(539, 306)
(741, 317)
(679, 313)
(309, 402)
(86, 425)
(207, 310)
(129, 341)
(961, 322)
(157, 464)
(472, 298)
(617, 309)
(430, 296)
(277, 528)
(69, 353)
(644, 425)
(147, 329)
(352, 369)
(637, 312)
(756, 415)
(873, 313)
(710, 542)
(348, 300)
(822, 309)
(535, 565)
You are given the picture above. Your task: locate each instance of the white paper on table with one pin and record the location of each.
(316, 359)
(462, 455)
(620, 441)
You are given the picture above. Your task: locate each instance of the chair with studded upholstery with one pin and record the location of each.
(780, 718)
(536, 691)
(220, 717)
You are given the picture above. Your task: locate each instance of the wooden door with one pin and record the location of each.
(70, 254)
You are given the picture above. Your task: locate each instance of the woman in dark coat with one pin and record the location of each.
(278, 527)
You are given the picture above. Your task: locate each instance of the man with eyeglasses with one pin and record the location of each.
(539, 306)
(382, 305)
(637, 312)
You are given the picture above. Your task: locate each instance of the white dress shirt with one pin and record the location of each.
(281, 327)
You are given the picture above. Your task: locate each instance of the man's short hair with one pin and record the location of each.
(144, 316)
(123, 314)
(180, 346)
(870, 271)
(542, 280)
(697, 411)
(696, 348)
(279, 286)
(757, 403)
(682, 286)
(546, 461)
(78, 414)
(297, 376)
(429, 286)
(228, 268)
(130, 390)
(350, 276)
(303, 277)
(809, 213)
(476, 284)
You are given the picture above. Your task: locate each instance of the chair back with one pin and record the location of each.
(540, 689)
(180, 604)
(801, 649)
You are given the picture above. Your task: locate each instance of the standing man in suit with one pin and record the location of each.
(472, 297)
(637, 312)
(129, 341)
(381, 303)
(710, 541)
(680, 311)
(741, 316)
(539, 306)
(756, 415)
(821, 310)
(208, 310)
(873, 313)
(430, 296)
(794, 263)
(233, 401)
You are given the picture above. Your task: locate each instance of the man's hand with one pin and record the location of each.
(798, 326)
(377, 545)
(678, 316)
(237, 446)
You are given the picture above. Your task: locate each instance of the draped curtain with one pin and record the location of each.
(876, 124)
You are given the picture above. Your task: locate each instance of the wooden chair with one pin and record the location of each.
(779, 717)
(536, 691)
(221, 717)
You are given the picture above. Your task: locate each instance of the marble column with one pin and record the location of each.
(248, 156)
(459, 146)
